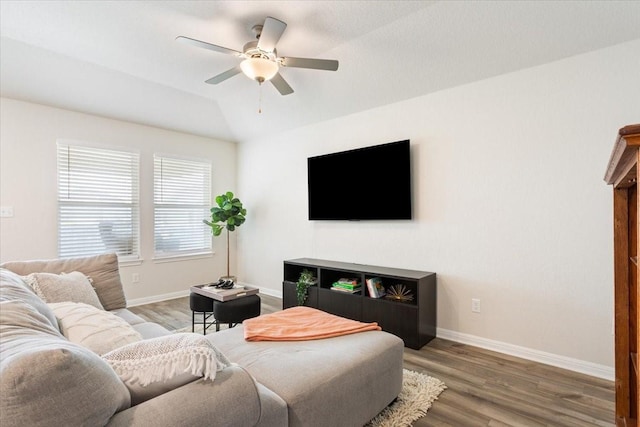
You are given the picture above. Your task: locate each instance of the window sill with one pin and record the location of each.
(130, 262)
(160, 259)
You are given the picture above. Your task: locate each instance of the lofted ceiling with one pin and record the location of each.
(119, 59)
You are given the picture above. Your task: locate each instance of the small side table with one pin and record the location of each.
(232, 311)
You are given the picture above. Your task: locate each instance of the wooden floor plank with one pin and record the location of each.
(484, 388)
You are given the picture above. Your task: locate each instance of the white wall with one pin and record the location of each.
(28, 183)
(510, 205)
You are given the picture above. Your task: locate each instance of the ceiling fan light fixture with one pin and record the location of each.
(259, 69)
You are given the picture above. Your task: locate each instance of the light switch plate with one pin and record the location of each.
(6, 211)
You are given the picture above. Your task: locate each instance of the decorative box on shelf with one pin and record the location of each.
(238, 291)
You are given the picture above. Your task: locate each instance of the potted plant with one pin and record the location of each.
(305, 280)
(229, 215)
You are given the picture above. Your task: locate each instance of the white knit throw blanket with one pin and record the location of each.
(162, 358)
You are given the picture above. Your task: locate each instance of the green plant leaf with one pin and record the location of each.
(229, 214)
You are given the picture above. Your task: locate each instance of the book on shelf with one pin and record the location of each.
(345, 285)
(375, 287)
(345, 290)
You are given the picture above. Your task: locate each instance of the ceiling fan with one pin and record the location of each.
(260, 59)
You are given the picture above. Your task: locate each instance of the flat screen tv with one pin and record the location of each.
(371, 183)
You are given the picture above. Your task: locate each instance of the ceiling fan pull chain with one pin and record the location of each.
(260, 99)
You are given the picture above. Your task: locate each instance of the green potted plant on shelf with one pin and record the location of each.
(229, 215)
(305, 280)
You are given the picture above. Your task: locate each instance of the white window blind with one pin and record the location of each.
(182, 199)
(98, 207)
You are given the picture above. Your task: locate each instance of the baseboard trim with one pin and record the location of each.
(576, 365)
(157, 298)
(267, 291)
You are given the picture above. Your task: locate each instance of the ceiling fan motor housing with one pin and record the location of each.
(251, 50)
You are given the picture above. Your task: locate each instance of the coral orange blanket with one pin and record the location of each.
(301, 323)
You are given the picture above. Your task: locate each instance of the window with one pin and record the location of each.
(98, 208)
(182, 199)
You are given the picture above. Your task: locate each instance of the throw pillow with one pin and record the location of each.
(45, 380)
(154, 366)
(74, 287)
(98, 330)
(13, 287)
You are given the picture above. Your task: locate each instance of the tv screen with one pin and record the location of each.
(371, 183)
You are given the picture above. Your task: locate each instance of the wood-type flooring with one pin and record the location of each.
(484, 388)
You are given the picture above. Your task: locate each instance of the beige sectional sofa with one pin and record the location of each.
(47, 380)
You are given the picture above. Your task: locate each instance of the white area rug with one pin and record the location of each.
(418, 393)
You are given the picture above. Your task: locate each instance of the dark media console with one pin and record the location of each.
(414, 320)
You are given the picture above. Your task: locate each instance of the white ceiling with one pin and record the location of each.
(119, 59)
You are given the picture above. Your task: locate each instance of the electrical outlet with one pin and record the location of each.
(6, 211)
(475, 305)
(135, 278)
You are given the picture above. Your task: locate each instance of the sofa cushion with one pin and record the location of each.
(370, 361)
(155, 366)
(12, 288)
(73, 287)
(130, 317)
(46, 380)
(151, 330)
(16, 315)
(98, 330)
(273, 410)
(231, 400)
(103, 270)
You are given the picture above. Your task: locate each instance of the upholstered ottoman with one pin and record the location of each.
(202, 306)
(236, 311)
(231, 312)
(342, 381)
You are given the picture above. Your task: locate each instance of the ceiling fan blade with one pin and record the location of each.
(224, 76)
(314, 64)
(281, 84)
(271, 32)
(208, 46)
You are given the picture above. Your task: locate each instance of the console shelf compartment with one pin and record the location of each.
(414, 320)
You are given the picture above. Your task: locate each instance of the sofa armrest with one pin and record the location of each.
(231, 399)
